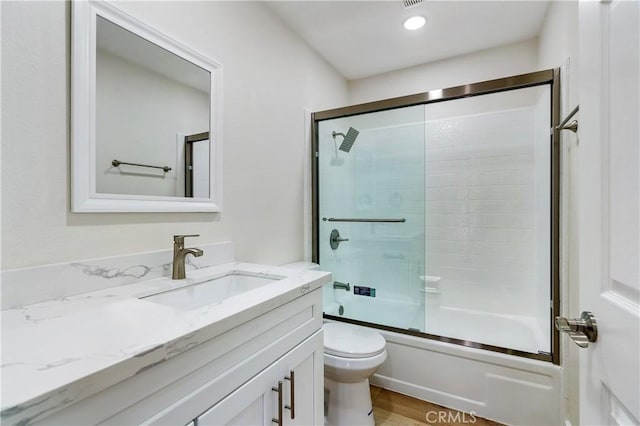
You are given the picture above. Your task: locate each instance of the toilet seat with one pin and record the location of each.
(346, 341)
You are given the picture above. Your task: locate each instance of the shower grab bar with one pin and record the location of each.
(333, 219)
(116, 163)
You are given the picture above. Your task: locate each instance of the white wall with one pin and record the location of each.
(269, 77)
(518, 58)
(558, 47)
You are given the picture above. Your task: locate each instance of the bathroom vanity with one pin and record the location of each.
(232, 344)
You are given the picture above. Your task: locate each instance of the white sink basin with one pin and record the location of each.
(212, 291)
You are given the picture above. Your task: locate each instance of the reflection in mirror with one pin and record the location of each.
(196, 171)
(148, 101)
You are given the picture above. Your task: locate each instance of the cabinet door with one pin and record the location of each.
(300, 393)
(251, 404)
(257, 401)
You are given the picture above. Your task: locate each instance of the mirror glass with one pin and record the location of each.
(152, 118)
(146, 117)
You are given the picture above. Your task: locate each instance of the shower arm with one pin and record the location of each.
(334, 134)
(335, 143)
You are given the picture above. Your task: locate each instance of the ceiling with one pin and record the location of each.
(364, 38)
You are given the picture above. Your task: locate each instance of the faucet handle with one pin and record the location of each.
(180, 238)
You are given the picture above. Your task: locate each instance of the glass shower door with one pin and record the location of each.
(371, 198)
(488, 219)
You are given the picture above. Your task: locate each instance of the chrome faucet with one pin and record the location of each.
(179, 255)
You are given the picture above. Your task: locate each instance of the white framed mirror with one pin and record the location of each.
(146, 118)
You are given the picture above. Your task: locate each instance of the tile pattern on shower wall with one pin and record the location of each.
(334, 189)
(480, 224)
(381, 177)
(388, 182)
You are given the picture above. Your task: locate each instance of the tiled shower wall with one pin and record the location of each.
(480, 221)
(388, 177)
(382, 177)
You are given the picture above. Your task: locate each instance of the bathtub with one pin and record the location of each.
(498, 386)
(524, 334)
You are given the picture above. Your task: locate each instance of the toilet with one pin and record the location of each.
(351, 355)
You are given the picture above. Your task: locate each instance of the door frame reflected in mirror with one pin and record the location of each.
(85, 198)
(189, 163)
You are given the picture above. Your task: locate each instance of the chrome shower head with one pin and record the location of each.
(348, 140)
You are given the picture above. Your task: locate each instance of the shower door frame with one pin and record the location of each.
(538, 78)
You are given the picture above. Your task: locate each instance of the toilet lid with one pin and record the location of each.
(351, 342)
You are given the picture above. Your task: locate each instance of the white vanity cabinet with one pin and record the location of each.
(227, 379)
(272, 397)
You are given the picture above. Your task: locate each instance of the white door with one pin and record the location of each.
(609, 224)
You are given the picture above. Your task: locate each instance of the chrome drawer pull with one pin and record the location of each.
(292, 378)
(278, 421)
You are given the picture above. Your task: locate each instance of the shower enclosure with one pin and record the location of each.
(437, 214)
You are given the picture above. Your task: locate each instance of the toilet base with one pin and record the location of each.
(349, 403)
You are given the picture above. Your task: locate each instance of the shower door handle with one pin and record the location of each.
(581, 330)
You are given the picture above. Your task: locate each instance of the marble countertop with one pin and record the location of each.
(59, 352)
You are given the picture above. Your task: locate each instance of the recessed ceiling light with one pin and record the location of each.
(414, 22)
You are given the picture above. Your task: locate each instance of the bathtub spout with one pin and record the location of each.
(341, 286)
